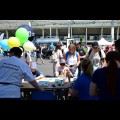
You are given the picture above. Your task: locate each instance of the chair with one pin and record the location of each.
(46, 95)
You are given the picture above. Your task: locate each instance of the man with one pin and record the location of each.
(97, 56)
(12, 71)
(82, 54)
(39, 53)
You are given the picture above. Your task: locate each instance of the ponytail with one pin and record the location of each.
(87, 67)
(112, 71)
(89, 70)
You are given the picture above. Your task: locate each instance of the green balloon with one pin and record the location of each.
(22, 34)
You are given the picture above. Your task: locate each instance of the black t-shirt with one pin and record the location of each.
(36, 73)
(39, 51)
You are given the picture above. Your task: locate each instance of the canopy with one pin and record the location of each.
(47, 40)
(104, 42)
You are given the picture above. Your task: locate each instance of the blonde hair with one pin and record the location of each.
(72, 46)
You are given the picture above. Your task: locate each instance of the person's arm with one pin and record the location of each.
(35, 84)
(78, 61)
(60, 75)
(84, 56)
(69, 72)
(75, 90)
(103, 62)
(60, 54)
(64, 56)
(28, 59)
(28, 76)
(29, 64)
(93, 89)
(39, 77)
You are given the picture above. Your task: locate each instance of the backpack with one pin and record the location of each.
(98, 52)
(81, 52)
(67, 53)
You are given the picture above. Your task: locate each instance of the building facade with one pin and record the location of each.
(88, 30)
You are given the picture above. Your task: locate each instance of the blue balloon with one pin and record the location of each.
(4, 44)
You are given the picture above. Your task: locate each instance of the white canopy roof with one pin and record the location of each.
(104, 42)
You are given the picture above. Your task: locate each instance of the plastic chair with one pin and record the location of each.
(46, 95)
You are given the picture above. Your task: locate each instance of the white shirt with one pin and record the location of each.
(28, 58)
(95, 58)
(12, 70)
(65, 50)
(72, 59)
(60, 70)
(57, 55)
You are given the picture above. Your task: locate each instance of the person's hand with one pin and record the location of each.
(68, 71)
(76, 65)
(66, 65)
(70, 90)
(42, 89)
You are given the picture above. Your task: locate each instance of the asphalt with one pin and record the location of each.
(46, 68)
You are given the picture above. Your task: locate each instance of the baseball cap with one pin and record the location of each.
(33, 65)
(95, 44)
(62, 61)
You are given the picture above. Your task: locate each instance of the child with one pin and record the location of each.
(36, 73)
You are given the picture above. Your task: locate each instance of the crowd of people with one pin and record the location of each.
(95, 71)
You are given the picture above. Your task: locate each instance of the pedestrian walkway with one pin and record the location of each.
(46, 68)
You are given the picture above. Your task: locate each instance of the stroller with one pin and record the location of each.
(46, 53)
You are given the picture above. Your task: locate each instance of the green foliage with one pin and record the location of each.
(81, 40)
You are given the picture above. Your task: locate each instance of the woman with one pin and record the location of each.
(106, 81)
(81, 85)
(72, 58)
(57, 55)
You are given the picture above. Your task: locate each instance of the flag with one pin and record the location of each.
(2, 36)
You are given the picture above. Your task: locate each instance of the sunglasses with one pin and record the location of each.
(95, 47)
(62, 64)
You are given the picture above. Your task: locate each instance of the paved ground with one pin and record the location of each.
(46, 68)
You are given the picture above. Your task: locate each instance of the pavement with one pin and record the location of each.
(46, 68)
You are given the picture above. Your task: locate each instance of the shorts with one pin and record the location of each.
(38, 56)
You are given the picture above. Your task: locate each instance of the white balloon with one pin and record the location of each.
(29, 46)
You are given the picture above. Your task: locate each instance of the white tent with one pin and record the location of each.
(104, 42)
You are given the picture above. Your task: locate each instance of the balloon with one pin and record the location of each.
(22, 34)
(29, 46)
(4, 44)
(13, 42)
(30, 30)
